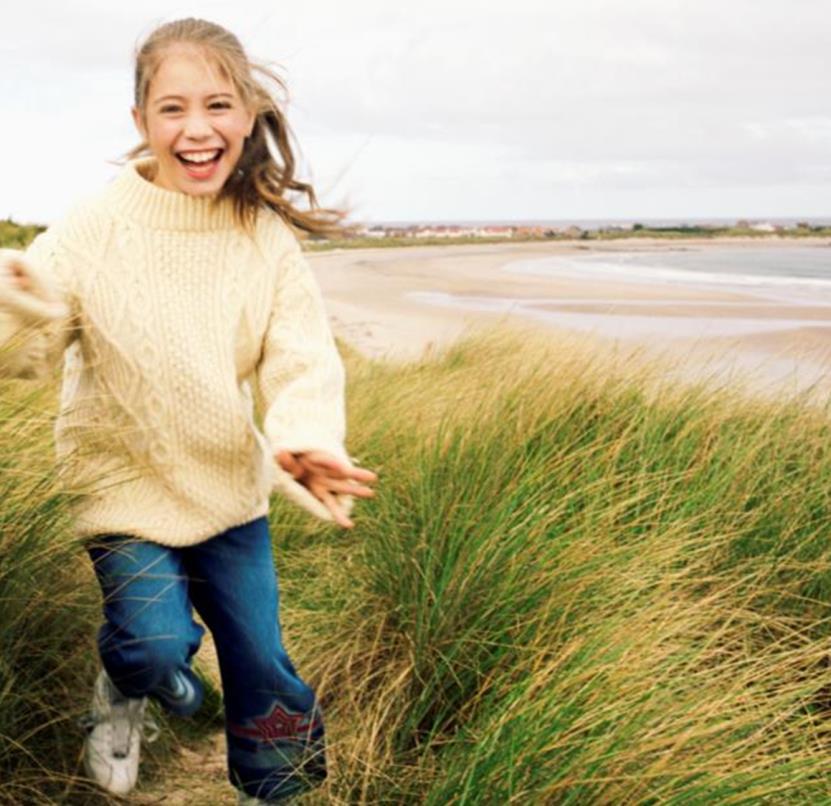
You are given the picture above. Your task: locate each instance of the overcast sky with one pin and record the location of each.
(456, 110)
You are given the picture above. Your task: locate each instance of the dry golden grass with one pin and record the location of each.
(578, 583)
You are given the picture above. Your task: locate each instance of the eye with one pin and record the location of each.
(220, 105)
(169, 108)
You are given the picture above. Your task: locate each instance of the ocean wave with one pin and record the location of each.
(628, 269)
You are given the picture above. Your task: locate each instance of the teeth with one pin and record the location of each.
(200, 156)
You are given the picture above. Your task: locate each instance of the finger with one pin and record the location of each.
(290, 464)
(362, 474)
(285, 460)
(332, 505)
(342, 486)
(321, 459)
(358, 489)
(318, 460)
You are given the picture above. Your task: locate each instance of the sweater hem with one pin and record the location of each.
(86, 528)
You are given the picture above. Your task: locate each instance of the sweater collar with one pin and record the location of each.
(139, 199)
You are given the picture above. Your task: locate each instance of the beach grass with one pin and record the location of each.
(50, 609)
(577, 583)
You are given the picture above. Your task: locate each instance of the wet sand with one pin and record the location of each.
(395, 303)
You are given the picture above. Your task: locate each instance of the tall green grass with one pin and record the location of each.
(576, 584)
(50, 609)
(44, 606)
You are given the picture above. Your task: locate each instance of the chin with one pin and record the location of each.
(203, 190)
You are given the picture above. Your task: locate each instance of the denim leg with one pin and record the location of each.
(149, 635)
(274, 726)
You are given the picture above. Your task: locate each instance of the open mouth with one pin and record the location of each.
(197, 158)
(200, 164)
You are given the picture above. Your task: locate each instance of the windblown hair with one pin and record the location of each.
(259, 178)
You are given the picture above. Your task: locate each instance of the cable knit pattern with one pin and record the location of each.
(169, 313)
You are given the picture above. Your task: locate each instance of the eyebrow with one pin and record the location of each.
(182, 98)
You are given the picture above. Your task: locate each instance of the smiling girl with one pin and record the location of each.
(170, 295)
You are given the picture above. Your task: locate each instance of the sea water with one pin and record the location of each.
(789, 277)
(779, 268)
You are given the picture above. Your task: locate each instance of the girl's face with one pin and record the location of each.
(194, 122)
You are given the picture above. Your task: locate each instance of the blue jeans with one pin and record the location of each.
(273, 722)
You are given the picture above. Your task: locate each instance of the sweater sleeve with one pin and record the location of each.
(36, 324)
(301, 379)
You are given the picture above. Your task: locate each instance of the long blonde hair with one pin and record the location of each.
(258, 179)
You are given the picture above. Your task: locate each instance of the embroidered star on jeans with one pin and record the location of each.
(277, 724)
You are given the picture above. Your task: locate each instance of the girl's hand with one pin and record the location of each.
(26, 290)
(325, 476)
(15, 270)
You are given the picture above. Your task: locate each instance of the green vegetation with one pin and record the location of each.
(606, 234)
(17, 236)
(576, 584)
(50, 609)
(13, 235)
(45, 602)
(385, 243)
(692, 231)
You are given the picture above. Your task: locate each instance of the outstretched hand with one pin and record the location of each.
(26, 290)
(14, 268)
(325, 476)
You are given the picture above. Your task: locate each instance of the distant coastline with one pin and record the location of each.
(396, 235)
(17, 235)
(606, 223)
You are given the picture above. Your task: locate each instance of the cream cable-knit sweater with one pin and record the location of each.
(169, 313)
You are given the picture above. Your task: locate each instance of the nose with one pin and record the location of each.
(196, 126)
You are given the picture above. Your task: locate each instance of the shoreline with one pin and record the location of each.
(388, 304)
(592, 237)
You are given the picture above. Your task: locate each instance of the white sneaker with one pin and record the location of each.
(116, 725)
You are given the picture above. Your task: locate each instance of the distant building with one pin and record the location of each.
(440, 231)
(538, 232)
(453, 231)
(497, 231)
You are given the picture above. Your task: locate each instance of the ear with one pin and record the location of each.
(137, 120)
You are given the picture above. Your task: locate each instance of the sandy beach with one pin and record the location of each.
(395, 303)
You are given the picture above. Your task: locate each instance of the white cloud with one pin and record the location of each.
(459, 110)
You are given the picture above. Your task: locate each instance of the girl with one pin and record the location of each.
(167, 294)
